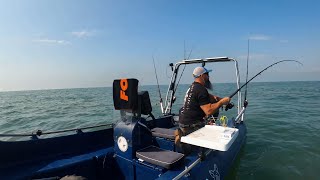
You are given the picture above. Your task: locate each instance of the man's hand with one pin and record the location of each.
(225, 100)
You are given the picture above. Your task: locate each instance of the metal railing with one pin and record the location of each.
(39, 132)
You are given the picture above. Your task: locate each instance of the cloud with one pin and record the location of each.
(259, 37)
(82, 34)
(284, 41)
(51, 41)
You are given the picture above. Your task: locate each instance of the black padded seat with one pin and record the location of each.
(160, 157)
(163, 132)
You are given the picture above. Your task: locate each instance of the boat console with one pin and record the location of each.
(134, 143)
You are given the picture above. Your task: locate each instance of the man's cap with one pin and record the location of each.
(198, 71)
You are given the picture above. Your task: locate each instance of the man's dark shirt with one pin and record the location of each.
(191, 112)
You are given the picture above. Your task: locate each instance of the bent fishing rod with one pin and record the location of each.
(257, 75)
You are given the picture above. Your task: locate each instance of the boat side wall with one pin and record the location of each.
(16, 156)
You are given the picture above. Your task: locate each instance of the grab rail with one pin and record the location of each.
(39, 132)
(187, 169)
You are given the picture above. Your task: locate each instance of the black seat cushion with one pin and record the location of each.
(160, 157)
(163, 132)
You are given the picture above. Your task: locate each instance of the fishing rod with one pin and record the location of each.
(155, 71)
(257, 75)
(245, 103)
(182, 71)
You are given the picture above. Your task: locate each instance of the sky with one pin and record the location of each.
(81, 43)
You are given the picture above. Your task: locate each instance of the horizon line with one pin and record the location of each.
(92, 87)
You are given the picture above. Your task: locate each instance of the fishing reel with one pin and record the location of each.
(229, 106)
(245, 104)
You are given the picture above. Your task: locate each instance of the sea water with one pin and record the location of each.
(282, 118)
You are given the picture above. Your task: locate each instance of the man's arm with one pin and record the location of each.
(214, 98)
(211, 108)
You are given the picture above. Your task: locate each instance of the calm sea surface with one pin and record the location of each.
(283, 121)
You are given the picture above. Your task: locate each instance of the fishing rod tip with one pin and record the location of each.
(294, 61)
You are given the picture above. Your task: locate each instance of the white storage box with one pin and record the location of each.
(212, 137)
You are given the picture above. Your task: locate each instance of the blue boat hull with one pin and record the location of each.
(94, 156)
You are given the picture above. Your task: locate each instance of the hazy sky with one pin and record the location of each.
(76, 43)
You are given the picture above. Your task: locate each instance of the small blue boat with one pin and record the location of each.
(135, 147)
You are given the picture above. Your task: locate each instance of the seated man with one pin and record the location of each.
(197, 104)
